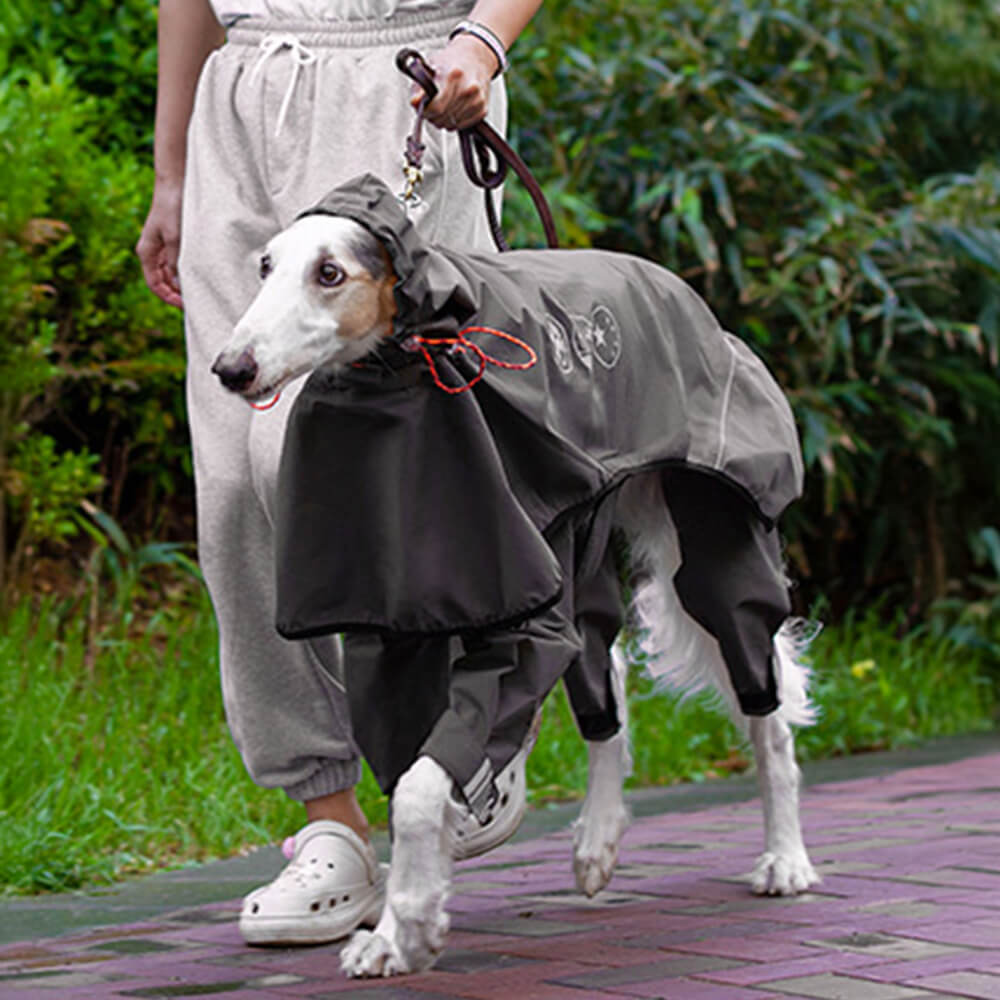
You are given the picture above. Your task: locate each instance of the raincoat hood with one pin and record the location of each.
(430, 292)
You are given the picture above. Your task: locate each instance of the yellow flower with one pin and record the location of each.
(862, 667)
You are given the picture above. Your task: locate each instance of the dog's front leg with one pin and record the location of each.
(604, 816)
(784, 868)
(411, 931)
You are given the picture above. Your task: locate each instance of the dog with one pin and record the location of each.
(331, 296)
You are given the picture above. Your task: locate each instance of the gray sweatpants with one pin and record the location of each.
(284, 111)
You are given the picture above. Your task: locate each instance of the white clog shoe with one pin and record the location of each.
(332, 885)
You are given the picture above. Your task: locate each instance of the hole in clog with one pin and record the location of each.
(314, 907)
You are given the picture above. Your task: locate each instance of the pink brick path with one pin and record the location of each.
(909, 907)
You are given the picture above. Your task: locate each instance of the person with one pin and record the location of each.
(263, 106)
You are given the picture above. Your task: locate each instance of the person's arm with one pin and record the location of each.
(464, 68)
(187, 33)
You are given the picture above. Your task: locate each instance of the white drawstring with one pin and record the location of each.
(302, 56)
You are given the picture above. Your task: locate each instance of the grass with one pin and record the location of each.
(115, 757)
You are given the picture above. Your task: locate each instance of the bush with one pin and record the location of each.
(826, 174)
(90, 363)
(109, 50)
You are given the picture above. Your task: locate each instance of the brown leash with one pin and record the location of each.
(481, 147)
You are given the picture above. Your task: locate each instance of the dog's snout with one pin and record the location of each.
(236, 375)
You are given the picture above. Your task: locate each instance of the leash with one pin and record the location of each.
(478, 143)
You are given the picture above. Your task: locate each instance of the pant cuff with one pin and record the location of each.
(331, 776)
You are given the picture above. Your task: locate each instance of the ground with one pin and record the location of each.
(908, 846)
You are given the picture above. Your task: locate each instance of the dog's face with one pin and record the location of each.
(325, 301)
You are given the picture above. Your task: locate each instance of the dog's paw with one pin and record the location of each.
(396, 947)
(595, 848)
(369, 954)
(782, 874)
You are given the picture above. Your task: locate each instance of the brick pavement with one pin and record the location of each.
(909, 906)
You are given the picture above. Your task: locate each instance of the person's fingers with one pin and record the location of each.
(159, 267)
(462, 101)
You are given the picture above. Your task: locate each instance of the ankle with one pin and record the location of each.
(341, 807)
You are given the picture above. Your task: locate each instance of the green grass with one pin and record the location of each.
(114, 755)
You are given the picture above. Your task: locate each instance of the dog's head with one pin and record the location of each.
(326, 300)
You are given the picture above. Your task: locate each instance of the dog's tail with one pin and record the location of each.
(673, 647)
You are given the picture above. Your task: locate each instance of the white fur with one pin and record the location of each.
(604, 816)
(410, 933)
(294, 326)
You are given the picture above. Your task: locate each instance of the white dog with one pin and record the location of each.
(327, 300)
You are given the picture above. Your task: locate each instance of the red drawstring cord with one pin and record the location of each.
(459, 344)
(266, 406)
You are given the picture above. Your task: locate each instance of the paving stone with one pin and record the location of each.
(977, 934)
(909, 908)
(690, 989)
(749, 949)
(830, 986)
(389, 991)
(750, 974)
(466, 961)
(967, 984)
(885, 946)
(966, 960)
(955, 877)
(665, 968)
(50, 983)
(526, 927)
(135, 946)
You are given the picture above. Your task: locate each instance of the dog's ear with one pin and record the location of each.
(370, 254)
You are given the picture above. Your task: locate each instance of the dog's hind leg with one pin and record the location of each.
(784, 868)
(604, 817)
(411, 931)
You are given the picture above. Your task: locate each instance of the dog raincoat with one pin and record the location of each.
(407, 509)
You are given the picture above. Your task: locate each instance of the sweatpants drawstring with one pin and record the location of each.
(301, 56)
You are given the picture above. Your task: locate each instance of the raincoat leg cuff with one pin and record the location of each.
(763, 703)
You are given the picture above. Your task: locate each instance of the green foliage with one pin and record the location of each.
(827, 174)
(90, 361)
(108, 48)
(49, 487)
(86, 720)
(974, 623)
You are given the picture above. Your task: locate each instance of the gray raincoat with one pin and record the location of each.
(408, 510)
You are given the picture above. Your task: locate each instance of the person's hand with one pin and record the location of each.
(462, 72)
(160, 240)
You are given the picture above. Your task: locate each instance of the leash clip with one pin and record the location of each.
(413, 177)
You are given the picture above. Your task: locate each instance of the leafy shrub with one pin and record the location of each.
(826, 174)
(109, 50)
(90, 362)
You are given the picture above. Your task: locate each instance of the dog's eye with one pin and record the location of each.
(329, 274)
(266, 266)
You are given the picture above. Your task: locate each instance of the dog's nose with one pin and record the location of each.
(236, 375)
